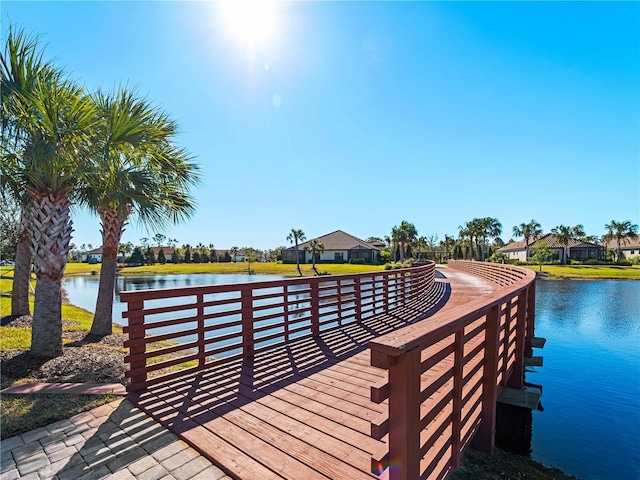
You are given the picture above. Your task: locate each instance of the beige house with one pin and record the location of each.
(339, 247)
(629, 247)
(576, 249)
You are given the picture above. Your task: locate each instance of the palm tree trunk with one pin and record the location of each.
(298, 259)
(50, 234)
(526, 249)
(21, 276)
(112, 228)
(46, 331)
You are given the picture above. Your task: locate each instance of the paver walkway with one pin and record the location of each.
(115, 441)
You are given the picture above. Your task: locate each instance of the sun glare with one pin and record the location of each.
(250, 21)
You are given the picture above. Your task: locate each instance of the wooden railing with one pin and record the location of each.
(446, 372)
(179, 331)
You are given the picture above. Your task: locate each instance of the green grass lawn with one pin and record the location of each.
(287, 270)
(588, 271)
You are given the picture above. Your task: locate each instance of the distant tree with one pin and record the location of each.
(172, 242)
(447, 244)
(162, 259)
(374, 239)
(541, 252)
(125, 248)
(177, 255)
(432, 244)
(144, 241)
(234, 253)
(296, 236)
(622, 232)
(149, 257)
(564, 235)
(136, 258)
(466, 235)
(488, 227)
(251, 254)
(159, 239)
(187, 254)
(316, 246)
(213, 255)
(404, 235)
(531, 230)
(196, 257)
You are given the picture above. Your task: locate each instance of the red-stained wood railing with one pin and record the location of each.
(445, 375)
(179, 331)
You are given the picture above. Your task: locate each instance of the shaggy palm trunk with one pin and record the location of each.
(112, 228)
(526, 249)
(21, 275)
(50, 233)
(298, 259)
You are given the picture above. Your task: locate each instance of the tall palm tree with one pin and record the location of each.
(466, 233)
(234, 252)
(137, 173)
(404, 235)
(621, 232)
(21, 67)
(296, 236)
(316, 246)
(564, 235)
(447, 243)
(57, 118)
(529, 230)
(488, 227)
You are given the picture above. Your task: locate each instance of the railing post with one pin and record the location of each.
(456, 422)
(386, 292)
(531, 313)
(404, 417)
(484, 439)
(246, 299)
(357, 288)
(507, 340)
(517, 377)
(315, 308)
(285, 312)
(136, 320)
(200, 317)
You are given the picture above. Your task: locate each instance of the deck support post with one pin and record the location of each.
(246, 299)
(357, 291)
(137, 332)
(485, 440)
(201, 351)
(404, 417)
(531, 311)
(456, 421)
(314, 298)
(517, 377)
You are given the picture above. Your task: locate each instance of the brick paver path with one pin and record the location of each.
(115, 441)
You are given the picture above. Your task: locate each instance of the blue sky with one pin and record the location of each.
(358, 115)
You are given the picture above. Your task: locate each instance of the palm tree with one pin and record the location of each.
(528, 230)
(447, 243)
(56, 118)
(296, 236)
(488, 227)
(466, 233)
(234, 252)
(564, 235)
(315, 245)
(137, 173)
(405, 235)
(621, 232)
(21, 68)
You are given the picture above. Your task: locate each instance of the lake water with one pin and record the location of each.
(590, 426)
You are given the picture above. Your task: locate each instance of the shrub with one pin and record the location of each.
(357, 261)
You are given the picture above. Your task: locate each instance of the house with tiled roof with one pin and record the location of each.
(629, 247)
(339, 247)
(576, 249)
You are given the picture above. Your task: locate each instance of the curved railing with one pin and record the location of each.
(179, 331)
(445, 374)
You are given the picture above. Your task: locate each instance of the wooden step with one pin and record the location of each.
(533, 362)
(538, 342)
(527, 397)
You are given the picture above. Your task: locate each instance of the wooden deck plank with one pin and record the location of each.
(302, 410)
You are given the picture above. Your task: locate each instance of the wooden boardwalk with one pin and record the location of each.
(301, 411)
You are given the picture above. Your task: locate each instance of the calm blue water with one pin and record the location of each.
(590, 426)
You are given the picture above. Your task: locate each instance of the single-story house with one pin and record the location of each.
(576, 249)
(339, 247)
(629, 247)
(95, 256)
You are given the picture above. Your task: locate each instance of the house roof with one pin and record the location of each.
(551, 240)
(166, 250)
(95, 251)
(625, 243)
(340, 240)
